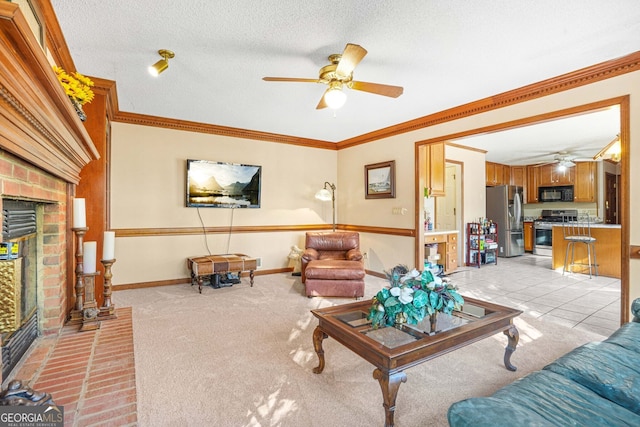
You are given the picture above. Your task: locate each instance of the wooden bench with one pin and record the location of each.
(214, 265)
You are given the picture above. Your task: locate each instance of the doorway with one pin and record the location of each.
(474, 159)
(448, 209)
(611, 198)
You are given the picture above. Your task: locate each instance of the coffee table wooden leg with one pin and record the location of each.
(200, 284)
(513, 335)
(389, 385)
(251, 277)
(318, 336)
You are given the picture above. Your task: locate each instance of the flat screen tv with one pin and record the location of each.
(222, 185)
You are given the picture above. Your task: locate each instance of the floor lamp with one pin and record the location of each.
(324, 195)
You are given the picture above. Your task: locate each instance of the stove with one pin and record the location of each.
(543, 228)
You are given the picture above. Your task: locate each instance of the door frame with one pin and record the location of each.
(623, 102)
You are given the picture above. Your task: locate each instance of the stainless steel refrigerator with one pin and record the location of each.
(504, 207)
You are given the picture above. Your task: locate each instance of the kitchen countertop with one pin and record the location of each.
(437, 232)
(596, 225)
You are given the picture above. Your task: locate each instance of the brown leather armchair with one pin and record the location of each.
(332, 264)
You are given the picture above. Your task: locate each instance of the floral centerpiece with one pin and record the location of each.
(77, 87)
(411, 296)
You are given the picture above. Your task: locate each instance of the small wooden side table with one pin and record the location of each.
(209, 265)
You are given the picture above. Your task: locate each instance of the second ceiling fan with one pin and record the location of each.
(339, 74)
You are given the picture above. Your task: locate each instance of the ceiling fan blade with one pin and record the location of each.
(351, 56)
(322, 104)
(540, 164)
(378, 89)
(289, 79)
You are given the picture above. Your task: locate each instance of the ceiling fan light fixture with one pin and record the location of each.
(162, 64)
(335, 97)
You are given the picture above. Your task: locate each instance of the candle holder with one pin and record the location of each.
(90, 309)
(76, 313)
(108, 310)
(85, 309)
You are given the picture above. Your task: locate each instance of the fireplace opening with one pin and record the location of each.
(18, 281)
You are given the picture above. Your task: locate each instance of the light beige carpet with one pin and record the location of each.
(242, 356)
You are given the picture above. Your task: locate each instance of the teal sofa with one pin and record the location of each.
(597, 384)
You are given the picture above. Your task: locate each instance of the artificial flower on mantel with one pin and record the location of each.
(411, 296)
(77, 87)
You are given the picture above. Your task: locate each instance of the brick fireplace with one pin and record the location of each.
(43, 148)
(47, 194)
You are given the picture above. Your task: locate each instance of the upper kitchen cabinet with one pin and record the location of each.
(497, 174)
(435, 168)
(585, 183)
(551, 175)
(519, 176)
(533, 176)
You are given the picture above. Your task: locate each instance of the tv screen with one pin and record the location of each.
(222, 185)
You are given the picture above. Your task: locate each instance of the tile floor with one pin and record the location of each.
(528, 283)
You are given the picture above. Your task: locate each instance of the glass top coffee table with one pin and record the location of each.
(393, 349)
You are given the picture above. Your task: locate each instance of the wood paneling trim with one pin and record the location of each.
(186, 231)
(588, 75)
(141, 285)
(162, 122)
(403, 232)
(40, 124)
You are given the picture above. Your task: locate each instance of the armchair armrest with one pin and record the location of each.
(310, 254)
(354, 255)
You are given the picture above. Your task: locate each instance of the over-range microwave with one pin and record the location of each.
(562, 193)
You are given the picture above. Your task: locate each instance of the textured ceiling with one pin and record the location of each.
(443, 52)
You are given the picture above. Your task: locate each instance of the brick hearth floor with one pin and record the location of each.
(91, 374)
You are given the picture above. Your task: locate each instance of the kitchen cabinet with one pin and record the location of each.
(528, 236)
(446, 245)
(451, 257)
(533, 173)
(584, 189)
(551, 175)
(497, 174)
(435, 168)
(518, 176)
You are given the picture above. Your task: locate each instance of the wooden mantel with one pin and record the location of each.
(38, 122)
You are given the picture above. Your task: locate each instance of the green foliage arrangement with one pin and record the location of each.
(411, 296)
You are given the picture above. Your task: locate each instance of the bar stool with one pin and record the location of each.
(578, 231)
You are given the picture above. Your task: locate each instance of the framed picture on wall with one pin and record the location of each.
(380, 180)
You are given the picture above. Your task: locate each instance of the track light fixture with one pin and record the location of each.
(162, 64)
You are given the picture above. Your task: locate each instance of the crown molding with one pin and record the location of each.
(584, 76)
(163, 122)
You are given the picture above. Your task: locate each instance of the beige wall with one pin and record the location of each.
(148, 170)
(148, 184)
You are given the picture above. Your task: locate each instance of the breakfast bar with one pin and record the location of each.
(607, 248)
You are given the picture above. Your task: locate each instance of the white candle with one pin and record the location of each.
(89, 261)
(108, 245)
(79, 214)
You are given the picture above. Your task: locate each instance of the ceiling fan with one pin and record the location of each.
(339, 74)
(565, 160)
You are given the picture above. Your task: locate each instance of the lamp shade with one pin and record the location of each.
(335, 98)
(323, 194)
